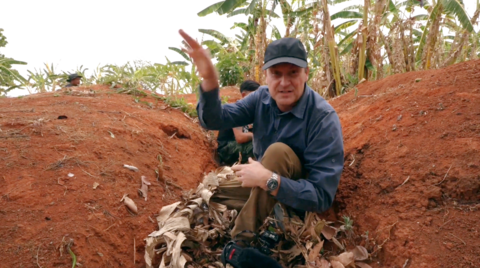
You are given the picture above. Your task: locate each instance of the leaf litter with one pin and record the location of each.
(192, 233)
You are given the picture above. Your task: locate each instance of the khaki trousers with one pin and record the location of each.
(255, 204)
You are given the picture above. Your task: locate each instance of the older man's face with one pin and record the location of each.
(286, 83)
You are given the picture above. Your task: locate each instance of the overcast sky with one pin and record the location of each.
(92, 32)
(98, 32)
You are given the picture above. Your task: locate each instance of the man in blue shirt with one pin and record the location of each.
(297, 137)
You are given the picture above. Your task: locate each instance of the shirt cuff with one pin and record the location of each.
(208, 96)
(284, 189)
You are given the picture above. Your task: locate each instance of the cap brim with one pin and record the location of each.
(299, 62)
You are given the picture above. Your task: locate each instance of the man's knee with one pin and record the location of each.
(281, 159)
(277, 151)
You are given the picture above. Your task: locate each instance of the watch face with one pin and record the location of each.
(272, 184)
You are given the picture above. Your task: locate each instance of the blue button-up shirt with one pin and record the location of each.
(312, 129)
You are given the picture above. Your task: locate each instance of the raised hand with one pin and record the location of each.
(202, 59)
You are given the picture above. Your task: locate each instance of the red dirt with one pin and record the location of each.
(429, 220)
(40, 204)
(232, 94)
(396, 129)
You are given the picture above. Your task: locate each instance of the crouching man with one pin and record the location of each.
(297, 138)
(233, 142)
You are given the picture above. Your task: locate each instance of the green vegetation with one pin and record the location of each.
(365, 40)
(9, 77)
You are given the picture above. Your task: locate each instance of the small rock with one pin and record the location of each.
(418, 80)
(472, 165)
(48, 218)
(71, 175)
(394, 127)
(399, 117)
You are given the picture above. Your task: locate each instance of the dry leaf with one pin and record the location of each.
(129, 203)
(165, 213)
(360, 253)
(322, 263)
(336, 242)
(187, 257)
(293, 252)
(336, 264)
(315, 252)
(198, 201)
(218, 207)
(186, 212)
(144, 188)
(211, 180)
(345, 258)
(131, 167)
(95, 185)
(205, 194)
(173, 224)
(329, 232)
(170, 240)
(178, 260)
(319, 227)
(362, 265)
(151, 244)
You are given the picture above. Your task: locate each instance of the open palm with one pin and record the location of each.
(203, 61)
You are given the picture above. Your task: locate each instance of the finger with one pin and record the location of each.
(190, 41)
(237, 167)
(250, 160)
(188, 51)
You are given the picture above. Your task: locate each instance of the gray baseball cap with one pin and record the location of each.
(73, 76)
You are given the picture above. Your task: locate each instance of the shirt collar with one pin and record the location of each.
(299, 109)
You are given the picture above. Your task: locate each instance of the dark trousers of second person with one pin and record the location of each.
(229, 154)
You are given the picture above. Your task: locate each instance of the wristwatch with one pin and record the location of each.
(272, 183)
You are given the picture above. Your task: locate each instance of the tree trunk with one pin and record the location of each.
(364, 30)
(332, 48)
(374, 52)
(431, 40)
(456, 51)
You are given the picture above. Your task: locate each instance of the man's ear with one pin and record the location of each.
(244, 94)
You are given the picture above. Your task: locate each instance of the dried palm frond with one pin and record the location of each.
(193, 232)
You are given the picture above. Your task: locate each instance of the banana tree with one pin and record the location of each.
(427, 43)
(258, 12)
(9, 77)
(45, 79)
(464, 35)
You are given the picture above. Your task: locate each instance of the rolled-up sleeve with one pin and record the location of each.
(323, 160)
(215, 116)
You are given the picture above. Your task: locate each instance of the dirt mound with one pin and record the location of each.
(412, 170)
(90, 135)
(411, 181)
(228, 94)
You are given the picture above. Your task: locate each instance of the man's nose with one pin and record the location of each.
(284, 81)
